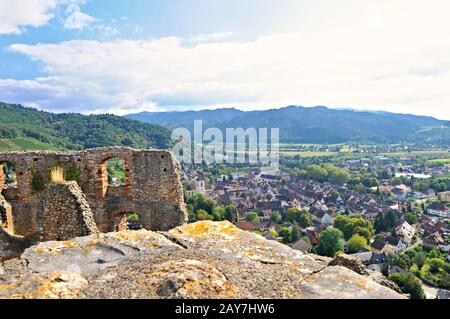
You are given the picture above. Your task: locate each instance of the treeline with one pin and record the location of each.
(76, 131)
(322, 173)
(438, 184)
(431, 266)
(200, 207)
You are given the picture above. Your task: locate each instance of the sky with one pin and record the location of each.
(121, 57)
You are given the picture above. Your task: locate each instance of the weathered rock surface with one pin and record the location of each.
(201, 260)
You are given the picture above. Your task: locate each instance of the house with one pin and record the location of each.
(439, 210)
(444, 196)
(406, 232)
(389, 244)
(378, 262)
(248, 226)
(327, 220)
(378, 245)
(373, 261)
(401, 191)
(270, 177)
(378, 259)
(302, 246)
(433, 241)
(197, 186)
(320, 216)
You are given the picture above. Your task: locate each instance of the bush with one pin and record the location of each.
(356, 243)
(203, 215)
(331, 242)
(409, 285)
(354, 226)
(252, 217)
(38, 182)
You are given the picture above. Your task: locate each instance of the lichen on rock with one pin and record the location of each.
(200, 260)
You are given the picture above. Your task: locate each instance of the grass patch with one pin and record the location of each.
(25, 144)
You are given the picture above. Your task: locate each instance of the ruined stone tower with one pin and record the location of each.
(151, 189)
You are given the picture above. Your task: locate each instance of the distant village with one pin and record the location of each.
(264, 193)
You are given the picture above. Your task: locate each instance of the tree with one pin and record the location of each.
(252, 217)
(230, 213)
(336, 175)
(302, 217)
(291, 215)
(317, 173)
(436, 265)
(385, 222)
(276, 217)
(370, 182)
(420, 259)
(203, 215)
(285, 232)
(402, 261)
(200, 201)
(340, 221)
(354, 226)
(295, 234)
(379, 223)
(356, 243)
(218, 214)
(331, 242)
(384, 174)
(390, 219)
(409, 284)
(411, 218)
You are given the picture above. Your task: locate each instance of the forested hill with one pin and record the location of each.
(28, 128)
(317, 124)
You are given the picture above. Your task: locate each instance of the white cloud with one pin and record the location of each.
(77, 19)
(213, 37)
(15, 14)
(389, 55)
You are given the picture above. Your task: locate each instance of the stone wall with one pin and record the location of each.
(12, 246)
(152, 186)
(65, 213)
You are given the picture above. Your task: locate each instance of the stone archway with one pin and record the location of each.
(127, 221)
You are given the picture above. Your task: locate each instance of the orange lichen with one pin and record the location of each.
(91, 244)
(71, 244)
(207, 227)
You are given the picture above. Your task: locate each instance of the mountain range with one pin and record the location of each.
(319, 125)
(23, 128)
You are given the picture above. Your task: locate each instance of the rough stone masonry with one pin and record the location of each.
(33, 208)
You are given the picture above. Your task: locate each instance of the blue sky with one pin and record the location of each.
(116, 56)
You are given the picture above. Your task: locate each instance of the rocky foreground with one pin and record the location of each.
(201, 260)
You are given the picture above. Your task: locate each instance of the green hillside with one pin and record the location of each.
(23, 128)
(25, 143)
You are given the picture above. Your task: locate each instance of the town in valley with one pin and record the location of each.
(388, 207)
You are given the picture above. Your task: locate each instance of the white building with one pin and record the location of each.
(406, 232)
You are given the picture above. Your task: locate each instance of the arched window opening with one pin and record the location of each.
(8, 176)
(115, 168)
(113, 173)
